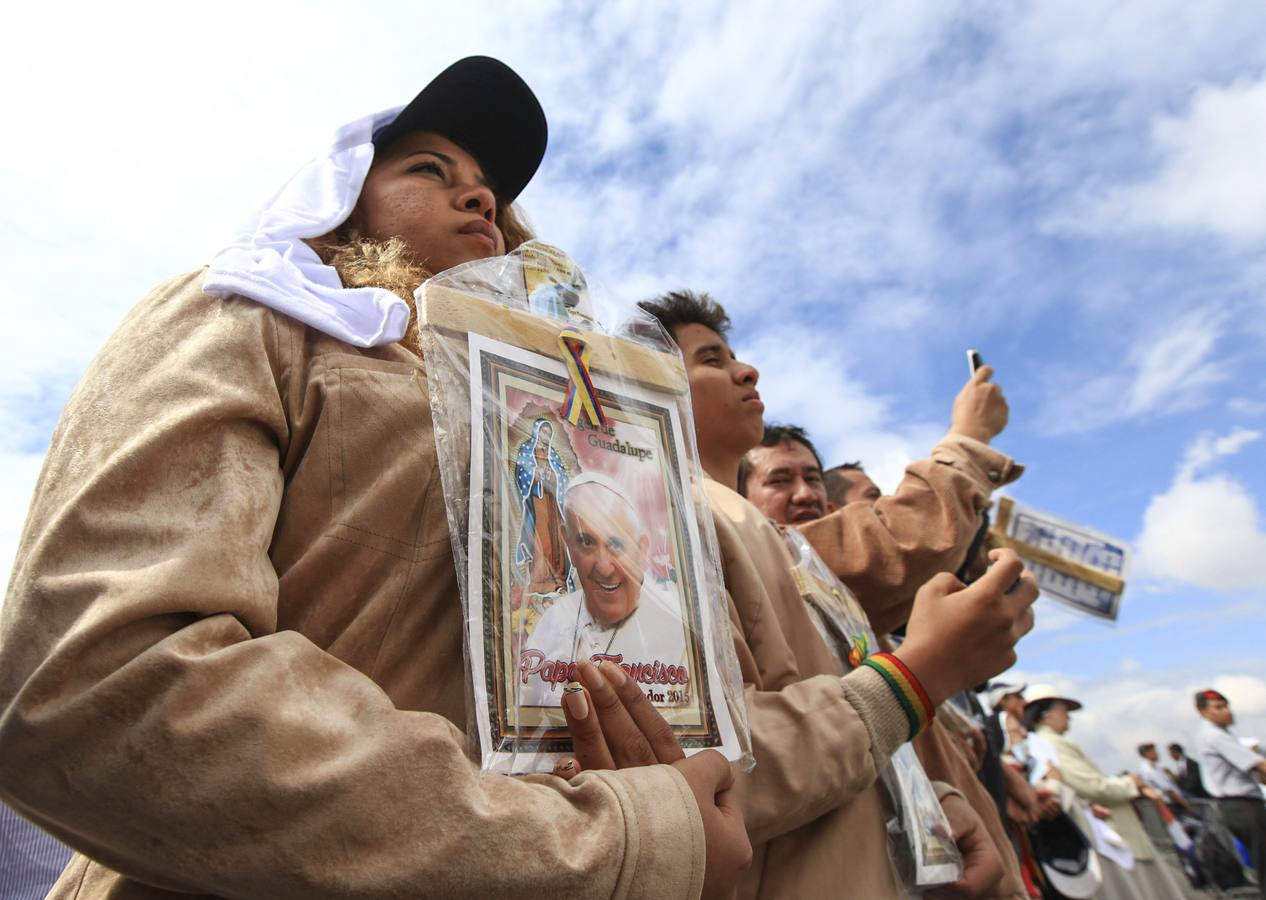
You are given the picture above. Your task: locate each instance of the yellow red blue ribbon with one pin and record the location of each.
(581, 395)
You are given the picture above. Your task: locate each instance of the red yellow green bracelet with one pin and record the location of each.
(914, 700)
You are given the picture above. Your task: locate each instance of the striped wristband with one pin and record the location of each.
(914, 700)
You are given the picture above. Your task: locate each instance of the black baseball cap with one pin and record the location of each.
(483, 106)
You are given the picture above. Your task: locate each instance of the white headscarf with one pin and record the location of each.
(269, 262)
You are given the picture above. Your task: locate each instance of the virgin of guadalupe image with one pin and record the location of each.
(541, 480)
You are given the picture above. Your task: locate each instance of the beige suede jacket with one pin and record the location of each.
(814, 808)
(887, 550)
(231, 652)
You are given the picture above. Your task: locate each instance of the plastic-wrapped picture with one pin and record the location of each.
(920, 838)
(576, 511)
(595, 555)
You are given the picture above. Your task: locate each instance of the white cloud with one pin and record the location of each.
(1246, 406)
(1173, 365)
(1207, 449)
(1245, 693)
(814, 388)
(1164, 371)
(1051, 617)
(1210, 177)
(1205, 529)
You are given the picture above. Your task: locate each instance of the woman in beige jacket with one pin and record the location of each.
(231, 652)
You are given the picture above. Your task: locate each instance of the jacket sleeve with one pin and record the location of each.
(884, 552)
(152, 715)
(818, 741)
(1088, 780)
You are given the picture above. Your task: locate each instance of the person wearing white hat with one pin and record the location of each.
(231, 655)
(1131, 869)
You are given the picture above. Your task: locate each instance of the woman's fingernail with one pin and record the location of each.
(567, 766)
(574, 698)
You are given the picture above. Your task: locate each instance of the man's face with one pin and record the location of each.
(729, 414)
(1217, 712)
(860, 487)
(1151, 755)
(431, 194)
(785, 483)
(609, 551)
(1175, 754)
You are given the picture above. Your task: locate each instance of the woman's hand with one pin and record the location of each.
(614, 726)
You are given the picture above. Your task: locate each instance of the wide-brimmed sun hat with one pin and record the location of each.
(1067, 859)
(1037, 692)
(1000, 688)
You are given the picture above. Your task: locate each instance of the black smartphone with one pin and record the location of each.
(974, 361)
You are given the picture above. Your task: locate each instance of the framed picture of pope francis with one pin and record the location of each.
(583, 544)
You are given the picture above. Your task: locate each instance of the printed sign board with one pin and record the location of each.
(1075, 565)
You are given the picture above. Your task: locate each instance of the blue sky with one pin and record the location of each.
(1077, 189)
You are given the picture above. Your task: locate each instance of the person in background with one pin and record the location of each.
(1186, 773)
(1158, 778)
(30, 860)
(782, 476)
(1145, 878)
(1028, 758)
(848, 483)
(1232, 774)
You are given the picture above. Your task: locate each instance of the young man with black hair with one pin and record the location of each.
(1233, 774)
(1186, 773)
(821, 731)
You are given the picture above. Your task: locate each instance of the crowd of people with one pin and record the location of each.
(231, 657)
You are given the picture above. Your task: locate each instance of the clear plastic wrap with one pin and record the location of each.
(920, 838)
(576, 508)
